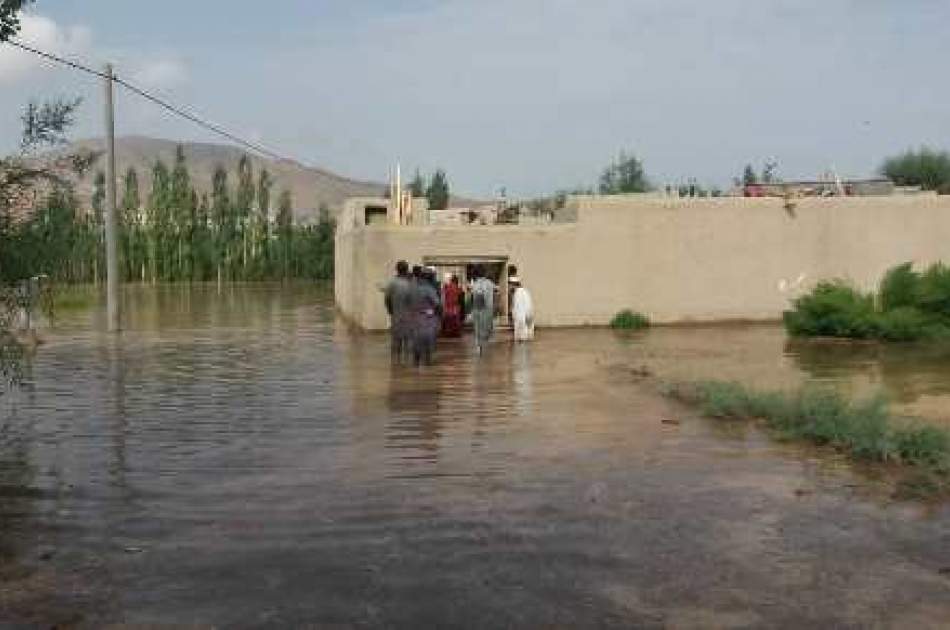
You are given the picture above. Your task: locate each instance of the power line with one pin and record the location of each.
(66, 62)
(179, 111)
(198, 121)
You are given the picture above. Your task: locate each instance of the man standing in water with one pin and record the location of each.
(426, 306)
(522, 311)
(399, 306)
(483, 308)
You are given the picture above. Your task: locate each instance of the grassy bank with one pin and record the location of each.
(864, 431)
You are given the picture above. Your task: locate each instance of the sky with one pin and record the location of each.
(530, 95)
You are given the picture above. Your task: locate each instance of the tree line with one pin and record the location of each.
(926, 167)
(173, 234)
(237, 232)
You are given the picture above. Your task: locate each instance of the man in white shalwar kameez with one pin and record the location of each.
(522, 312)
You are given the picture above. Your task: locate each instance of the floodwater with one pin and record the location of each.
(914, 378)
(241, 459)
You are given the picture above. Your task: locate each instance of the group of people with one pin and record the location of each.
(421, 308)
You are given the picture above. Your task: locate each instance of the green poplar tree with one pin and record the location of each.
(202, 240)
(133, 261)
(243, 207)
(264, 185)
(96, 225)
(98, 196)
(417, 186)
(285, 230)
(438, 191)
(181, 216)
(222, 221)
(159, 212)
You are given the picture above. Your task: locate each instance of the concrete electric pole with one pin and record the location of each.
(112, 254)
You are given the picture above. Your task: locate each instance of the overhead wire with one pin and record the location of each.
(75, 65)
(175, 109)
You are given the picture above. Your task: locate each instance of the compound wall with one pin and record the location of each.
(675, 260)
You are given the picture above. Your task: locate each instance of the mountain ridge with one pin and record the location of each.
(310, 187)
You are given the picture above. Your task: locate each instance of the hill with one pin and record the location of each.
(310, 187)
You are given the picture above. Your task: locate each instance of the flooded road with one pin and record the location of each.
(241, 459)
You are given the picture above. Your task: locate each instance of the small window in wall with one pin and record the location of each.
(376, 215)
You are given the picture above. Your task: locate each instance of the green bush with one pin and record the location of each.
(934, 292)
(833, 309)
(629, 320)
(903, 324)
(900, 287)
(909, 306)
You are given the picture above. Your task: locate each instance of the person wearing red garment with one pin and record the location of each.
(452, 314)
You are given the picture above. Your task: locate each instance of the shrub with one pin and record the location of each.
(629, 320)
(903, 324)
(899, 287)
(934, 291)
(833, 309)
(910, 306)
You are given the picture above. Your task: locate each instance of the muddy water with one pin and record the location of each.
(915, 378)
(241, 459)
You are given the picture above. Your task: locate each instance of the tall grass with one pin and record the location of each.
(864, 430)
(908, 306)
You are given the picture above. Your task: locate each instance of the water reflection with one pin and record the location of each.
(416, 418)
(116, 360)
(448, 406)
(915, 377)
(906, 372)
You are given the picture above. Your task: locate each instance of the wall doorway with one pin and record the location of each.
(496, 269)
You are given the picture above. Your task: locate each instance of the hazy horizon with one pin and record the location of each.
(529, 95)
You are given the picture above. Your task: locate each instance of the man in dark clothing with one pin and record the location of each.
(427, 315)
(398, 300)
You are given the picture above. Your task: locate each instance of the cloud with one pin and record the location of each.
(534, 95)
(541, 92)
(45, 34)
(159, 72)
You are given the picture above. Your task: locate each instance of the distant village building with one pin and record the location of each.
(826, 188)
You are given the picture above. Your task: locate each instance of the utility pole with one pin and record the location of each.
(112, 262)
